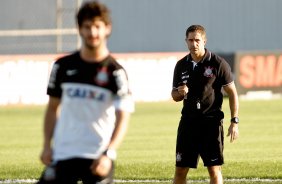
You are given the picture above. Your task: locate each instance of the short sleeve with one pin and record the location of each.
(54, 88)
(123, 99)
(225, 74)
(175, 80)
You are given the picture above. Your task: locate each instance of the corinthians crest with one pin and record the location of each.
(102, 77)
(178, 157)
(208, 71)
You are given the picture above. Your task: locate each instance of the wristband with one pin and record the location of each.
(235, 120)
(111, 154)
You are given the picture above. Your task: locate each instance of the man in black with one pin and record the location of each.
(198, 80)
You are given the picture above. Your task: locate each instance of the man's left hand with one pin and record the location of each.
(233, 132)
(102, 166)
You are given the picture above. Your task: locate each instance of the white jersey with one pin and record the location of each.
(90, 93)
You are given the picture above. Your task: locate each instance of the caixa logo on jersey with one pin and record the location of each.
(85, 94)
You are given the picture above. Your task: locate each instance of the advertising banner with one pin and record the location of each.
(24, 78)
(258, 71)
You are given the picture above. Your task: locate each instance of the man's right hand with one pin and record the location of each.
(182, 90)
(179, 93)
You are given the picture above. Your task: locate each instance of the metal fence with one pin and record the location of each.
(48, 27)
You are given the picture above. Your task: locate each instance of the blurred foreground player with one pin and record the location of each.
(89, 107)
(197, 81)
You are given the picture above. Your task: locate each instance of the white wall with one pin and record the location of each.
(24, 78)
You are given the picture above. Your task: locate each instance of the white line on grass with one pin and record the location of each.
(19, 181)
(270, 180)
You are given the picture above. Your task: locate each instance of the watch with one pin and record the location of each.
(111, 154)
(235, 120)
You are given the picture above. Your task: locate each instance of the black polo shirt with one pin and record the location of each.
(205, 82)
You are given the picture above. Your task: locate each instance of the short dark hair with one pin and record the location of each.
(196, 28)
(91, 10)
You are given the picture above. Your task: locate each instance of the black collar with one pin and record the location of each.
(207, 57)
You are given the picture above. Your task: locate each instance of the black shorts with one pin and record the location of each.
(201, 137)
(73, 170)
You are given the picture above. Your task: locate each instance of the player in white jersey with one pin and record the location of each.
(89, 106)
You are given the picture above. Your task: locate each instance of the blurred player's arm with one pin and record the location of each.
(48, 129)
(122, 119)
(103, 165)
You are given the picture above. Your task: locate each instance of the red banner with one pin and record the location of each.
(259, 72)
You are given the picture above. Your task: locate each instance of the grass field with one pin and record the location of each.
(147, 152)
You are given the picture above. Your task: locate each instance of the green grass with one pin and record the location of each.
(20, 142)
(148, 149)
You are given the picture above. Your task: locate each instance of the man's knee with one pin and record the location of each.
(214, 171)
(181, 172)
